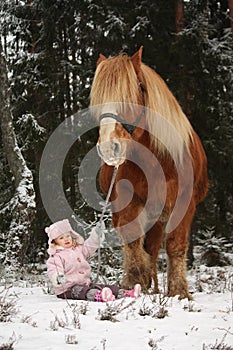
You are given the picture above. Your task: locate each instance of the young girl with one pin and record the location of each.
(69, 270)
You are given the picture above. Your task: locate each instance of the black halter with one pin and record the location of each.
(129, 127)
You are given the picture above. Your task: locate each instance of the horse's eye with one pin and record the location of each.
(142, 86)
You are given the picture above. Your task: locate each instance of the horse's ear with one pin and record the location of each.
(100, 59)
(137, 59)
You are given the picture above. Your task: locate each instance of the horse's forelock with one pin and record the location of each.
(115, 80)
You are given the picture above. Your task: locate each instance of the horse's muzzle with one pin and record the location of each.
(113, 153)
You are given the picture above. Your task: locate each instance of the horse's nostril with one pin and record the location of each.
(112, 152)
(116, 148)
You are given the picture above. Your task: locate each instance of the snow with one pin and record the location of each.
(39, 320)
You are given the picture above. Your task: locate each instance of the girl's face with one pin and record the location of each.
(64, 240)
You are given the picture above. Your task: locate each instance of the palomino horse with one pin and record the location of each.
(162, 168)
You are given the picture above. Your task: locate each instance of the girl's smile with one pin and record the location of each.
(64, 240)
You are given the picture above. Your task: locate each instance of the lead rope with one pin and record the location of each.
(102, 217)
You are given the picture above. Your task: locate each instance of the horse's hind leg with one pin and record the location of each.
(137, 265)
(152, 245)
(177, 246)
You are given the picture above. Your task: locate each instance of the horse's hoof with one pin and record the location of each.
(186, 295)
(182, 295)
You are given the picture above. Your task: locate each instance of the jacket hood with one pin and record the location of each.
(58, 228)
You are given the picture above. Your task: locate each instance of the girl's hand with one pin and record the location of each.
(97, 233)
(61, 278)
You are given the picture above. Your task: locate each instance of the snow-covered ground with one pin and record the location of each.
(38, 320)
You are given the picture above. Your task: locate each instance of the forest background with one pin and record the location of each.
(48, 54)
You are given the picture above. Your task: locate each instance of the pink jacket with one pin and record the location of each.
(72, 263)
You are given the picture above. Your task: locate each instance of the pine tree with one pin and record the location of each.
(21, 207)
(213, 248)
(208, 73)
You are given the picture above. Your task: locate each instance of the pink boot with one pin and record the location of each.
(104, 295)
(107, 294)
(133, 293)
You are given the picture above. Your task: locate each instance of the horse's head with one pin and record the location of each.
(117, 98)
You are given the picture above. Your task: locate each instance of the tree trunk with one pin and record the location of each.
(20, 210)
(230, 5)
(179, 23)
(179, 13)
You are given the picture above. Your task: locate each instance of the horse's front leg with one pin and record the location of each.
(129, 224)
(137, 265)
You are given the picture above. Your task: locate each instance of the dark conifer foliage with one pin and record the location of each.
(52, 47)
(207, 73)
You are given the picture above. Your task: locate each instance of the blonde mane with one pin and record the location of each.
(116, 81)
